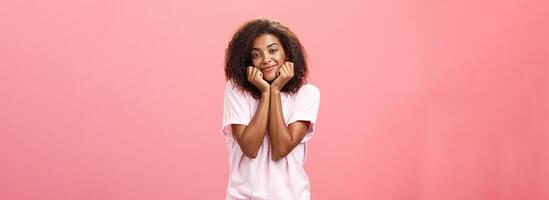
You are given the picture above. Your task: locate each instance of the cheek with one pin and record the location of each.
(282, 56)
(255, 62)
(278, 57)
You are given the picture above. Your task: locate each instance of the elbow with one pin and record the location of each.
(251, 153)
(278, 154)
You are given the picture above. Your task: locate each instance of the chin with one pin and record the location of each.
(269, 78)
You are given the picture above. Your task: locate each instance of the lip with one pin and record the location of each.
(268, 69)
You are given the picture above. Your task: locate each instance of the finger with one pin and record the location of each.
(260, 74)
(249, 72)
(254, 73)
(282, 68)
(291, 68)
(257, 74)
(286, 70)
(288, 73)
(278, 73)
(283, 72)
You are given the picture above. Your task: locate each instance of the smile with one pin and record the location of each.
(268, 69)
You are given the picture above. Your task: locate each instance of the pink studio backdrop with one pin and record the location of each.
(422, 100)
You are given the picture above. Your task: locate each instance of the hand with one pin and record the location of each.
(285, 74)
(255, 76)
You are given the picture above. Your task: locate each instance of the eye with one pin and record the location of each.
(255, 55)
(273, 50)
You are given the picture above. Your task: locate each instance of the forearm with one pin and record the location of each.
(253, 134)
(279, 135)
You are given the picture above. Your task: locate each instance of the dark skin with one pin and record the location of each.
(269, 73)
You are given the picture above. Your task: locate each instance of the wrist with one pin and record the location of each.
(266, 89)
(275, 90)
(265, 93)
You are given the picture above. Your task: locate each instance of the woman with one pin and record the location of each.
(269, 113)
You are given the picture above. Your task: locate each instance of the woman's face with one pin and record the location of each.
(268, 55)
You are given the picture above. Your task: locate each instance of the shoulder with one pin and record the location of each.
(231, 89)
(308, 89)
(230, 86)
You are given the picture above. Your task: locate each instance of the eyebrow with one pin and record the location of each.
(272, 44)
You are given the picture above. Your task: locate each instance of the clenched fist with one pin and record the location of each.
(285, 74)
(255, 76)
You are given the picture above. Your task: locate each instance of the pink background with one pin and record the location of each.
(424, 99)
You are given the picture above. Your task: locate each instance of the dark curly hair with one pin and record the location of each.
(238, 54)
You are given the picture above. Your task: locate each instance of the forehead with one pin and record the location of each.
(264, 40)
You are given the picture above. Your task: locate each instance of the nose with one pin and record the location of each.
(266, 59)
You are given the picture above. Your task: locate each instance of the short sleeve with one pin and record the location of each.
(236, 109)
(305, 108)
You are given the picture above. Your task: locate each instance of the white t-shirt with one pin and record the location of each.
(261, 177)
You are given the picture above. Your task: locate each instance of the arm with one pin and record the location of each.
(250, 137)
(283, 139)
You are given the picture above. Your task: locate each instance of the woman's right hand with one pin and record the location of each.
(255, 76)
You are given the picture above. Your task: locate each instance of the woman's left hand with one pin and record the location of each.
(285, 74)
